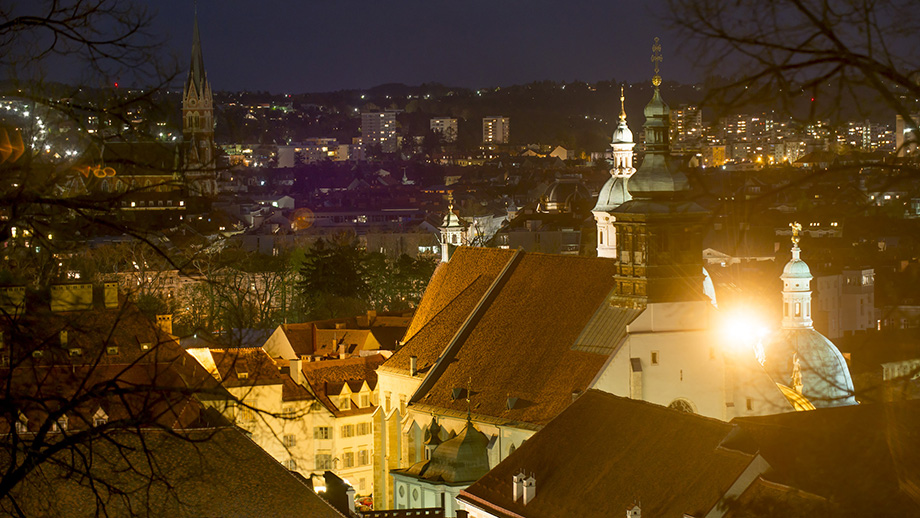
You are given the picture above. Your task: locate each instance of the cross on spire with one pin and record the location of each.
(656, 59)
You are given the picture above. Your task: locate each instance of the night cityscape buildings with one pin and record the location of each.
(382, 302)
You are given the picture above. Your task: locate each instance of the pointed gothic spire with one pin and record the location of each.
(622, 105)
(196, 73)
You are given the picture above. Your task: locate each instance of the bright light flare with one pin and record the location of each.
(744, 331)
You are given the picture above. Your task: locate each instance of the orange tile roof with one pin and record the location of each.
(328, 377)
(605, 452)
(521, 346)
(243, 367)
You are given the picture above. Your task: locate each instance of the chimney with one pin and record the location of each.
(530, 489)
(296, 368)
(164, 322)
(71, 297)
(413, 365)
(110, 295)
(350, 497)
(517, 486)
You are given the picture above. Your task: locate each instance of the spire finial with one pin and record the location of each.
(622, 104)
(656, 59)
(796, 228)
(450, 201)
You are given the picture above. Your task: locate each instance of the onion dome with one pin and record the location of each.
(463, 458)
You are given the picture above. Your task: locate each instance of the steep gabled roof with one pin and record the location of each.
(604, 453)
(328, 377)
(519, 344)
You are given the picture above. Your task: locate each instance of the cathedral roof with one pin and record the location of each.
(613, 194)
(516, 344)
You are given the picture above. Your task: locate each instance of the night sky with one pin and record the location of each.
(311, 46)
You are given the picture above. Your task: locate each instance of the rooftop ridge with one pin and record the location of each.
(466, 328)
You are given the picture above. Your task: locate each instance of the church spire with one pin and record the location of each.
(196, 74)
(622, 105)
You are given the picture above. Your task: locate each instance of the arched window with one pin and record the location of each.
(682, 405)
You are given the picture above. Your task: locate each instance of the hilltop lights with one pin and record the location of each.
(744, 329)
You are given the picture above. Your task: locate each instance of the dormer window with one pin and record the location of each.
(100, 417)
(22, 423)
(345, 403)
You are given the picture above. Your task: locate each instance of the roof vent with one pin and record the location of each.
(511, 401)
(456, 393)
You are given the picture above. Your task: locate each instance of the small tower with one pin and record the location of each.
(615, 192)
(198, 124)
(452, 230)
(622, 144)
(799, 357)
(796, 288)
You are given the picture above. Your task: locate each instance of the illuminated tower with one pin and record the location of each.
(198, 124)
(798, 355)
(659, 232)
(614, 193)
(452, 231)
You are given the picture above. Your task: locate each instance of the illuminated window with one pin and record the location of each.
(798, 309)
(322, 432)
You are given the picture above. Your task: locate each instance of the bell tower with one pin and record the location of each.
(659, 232)
(198, 124)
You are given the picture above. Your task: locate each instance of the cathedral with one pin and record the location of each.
(505, 340)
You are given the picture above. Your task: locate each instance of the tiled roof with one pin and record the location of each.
(208, 472)
(521, 345)
(328, 377)
(246, 367)
(604, 453)
(467, 266)
(862, 457)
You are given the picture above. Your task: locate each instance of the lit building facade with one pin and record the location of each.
(379, 128)
(446, 126)
(496, 130)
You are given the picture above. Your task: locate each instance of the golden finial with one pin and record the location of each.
(450, 201)
(622, 104)
(796, 228)
(656, 59)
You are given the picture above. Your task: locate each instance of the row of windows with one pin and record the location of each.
(346, 430)
(350, 459)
